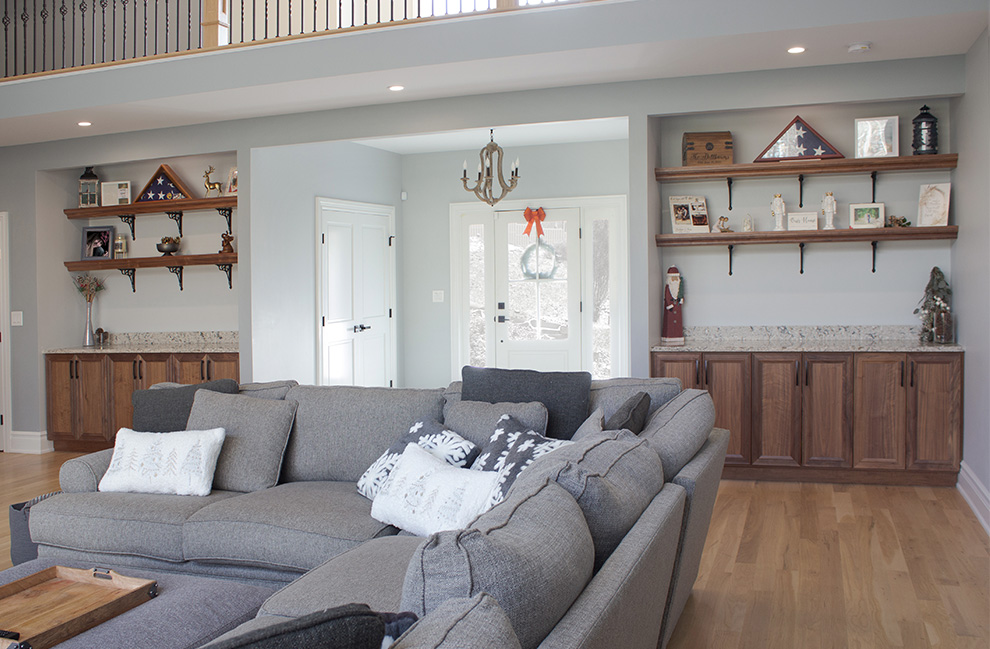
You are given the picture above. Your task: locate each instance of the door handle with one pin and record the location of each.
(697, 372)
(501, 318)
(209, 370)
(360, 328)
(202, 370)
(134, 373)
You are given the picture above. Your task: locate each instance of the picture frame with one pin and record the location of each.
(689, 214)
(866, 215)
(97, 242)
(115, 192)
(231, 187)
(802, 220)
(878, 137)
(933, 205)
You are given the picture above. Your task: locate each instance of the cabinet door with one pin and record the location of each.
(934, 415)
(92, 393)
(879, 411)
(777, 409)
(223, 366)
(59, 370)
(188, 368)
(152, 369)
(727, 377)
(685, 366)
(123, 371)
(826, 424)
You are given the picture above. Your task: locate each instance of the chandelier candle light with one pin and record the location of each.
(491, 159)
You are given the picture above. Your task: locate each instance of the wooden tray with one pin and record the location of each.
(57, 603)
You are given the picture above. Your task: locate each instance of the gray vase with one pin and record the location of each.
(90, 338)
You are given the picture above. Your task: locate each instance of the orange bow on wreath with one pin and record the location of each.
(534, 216)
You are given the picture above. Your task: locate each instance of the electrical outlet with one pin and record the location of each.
(438, 296)
(16, 318)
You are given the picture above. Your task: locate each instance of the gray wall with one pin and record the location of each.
(286, 182)
(431, 182)
(971, 261)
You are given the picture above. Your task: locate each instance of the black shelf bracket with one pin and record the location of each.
(728, 183)
(177, 217)
(874, 244)
(800, 190)
(730, 260)
(177, 271)
(225, 212)
(873, 179)
(129, 274)
(129, 220)
(226, 268)
(801, 246)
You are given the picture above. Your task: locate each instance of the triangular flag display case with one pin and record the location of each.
(798, 141)
(164, 186)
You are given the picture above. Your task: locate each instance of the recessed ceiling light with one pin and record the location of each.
(797, 49)
(396, 88)
(85, 123)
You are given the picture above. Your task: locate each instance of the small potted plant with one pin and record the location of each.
(935, 311)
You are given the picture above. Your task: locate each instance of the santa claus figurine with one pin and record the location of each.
(672, 331)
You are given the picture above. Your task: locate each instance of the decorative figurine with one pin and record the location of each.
(828, 210)
(934, 309)
(897, 221)
(925, 133)
(672, 330)
(723, 224)
(210, 186)
(748, 224)
(120, 247)
(227, 238)
(778, 210)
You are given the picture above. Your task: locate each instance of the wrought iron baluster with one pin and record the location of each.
(278, 18)
(63, 10)
(314, 15)
(145, 49)
(92, 34)
(103, 21)
(113, 32)
(166, 26)
(44, 35)
(242, 21)
(123, 42)
(266, 19)
(6, 36)
(24, 22)
(189, 25)
(290, 17)
(135, 23)
(82, 20)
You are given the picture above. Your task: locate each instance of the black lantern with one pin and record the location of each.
(89, 187)
(925, 133)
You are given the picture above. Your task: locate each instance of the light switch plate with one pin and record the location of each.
(438, 296)
(16, 318)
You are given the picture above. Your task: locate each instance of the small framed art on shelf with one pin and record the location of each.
(688, 214)
(866, 215)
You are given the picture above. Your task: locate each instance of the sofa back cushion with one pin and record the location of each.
(533, 554)
(679, 429)
(256, 434)
(610, 394)
(475, 420)
(340, 430)
(459, 623)
(166, 409)
(268, 390)
(612, 475)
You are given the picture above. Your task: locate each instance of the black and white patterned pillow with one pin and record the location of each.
(512, 448)
(430, 435)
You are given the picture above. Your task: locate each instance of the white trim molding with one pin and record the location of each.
(976, 494)
(32, 443)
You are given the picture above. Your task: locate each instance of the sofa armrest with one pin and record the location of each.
(83, 473)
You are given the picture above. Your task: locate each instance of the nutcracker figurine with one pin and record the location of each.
(672, 330)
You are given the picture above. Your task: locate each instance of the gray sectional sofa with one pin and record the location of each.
(598, 544)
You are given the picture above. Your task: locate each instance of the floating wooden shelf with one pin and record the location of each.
(175, 263)
(153, 207)
(796, 167)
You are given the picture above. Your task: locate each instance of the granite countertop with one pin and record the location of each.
(835, 338)
(193, 342)
(850, 345)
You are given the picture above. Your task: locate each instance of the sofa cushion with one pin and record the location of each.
(424, 494)
(610, 394)
(257, 431)
(462, 623)
(294, 526)
(533, 554)
(181, 463)
(565, 394)
(429, 435)
(371, 573)
(166, 410)
(475, 420)
(340, 430)
(593, 425)
(145, 525)
(613, 476)
(354, 626)
(680, 428)
(631, 415)
(267, 390)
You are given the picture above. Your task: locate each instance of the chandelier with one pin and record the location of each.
(491, 161)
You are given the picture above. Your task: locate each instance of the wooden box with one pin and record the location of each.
(706, 149)
(58, 603)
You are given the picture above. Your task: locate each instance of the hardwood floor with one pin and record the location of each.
(789, 566)
(822, 566)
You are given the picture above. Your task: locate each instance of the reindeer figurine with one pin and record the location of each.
(210, 186)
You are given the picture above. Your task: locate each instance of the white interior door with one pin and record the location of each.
(538, 291)
(356, 295)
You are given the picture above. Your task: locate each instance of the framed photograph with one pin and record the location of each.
(97, 242)
(689, 214)
(116, 192)
(877, 137)
(866, 215)
(232, 181)
(802, 220)
(933, 205)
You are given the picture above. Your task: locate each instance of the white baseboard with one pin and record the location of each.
(34, 443)
(976, 494)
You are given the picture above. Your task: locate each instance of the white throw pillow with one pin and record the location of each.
(180, 463)
(423, 494)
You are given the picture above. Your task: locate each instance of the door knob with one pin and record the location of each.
(360, 328)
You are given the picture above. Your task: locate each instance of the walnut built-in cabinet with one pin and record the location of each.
(885, 417)
(89, 394)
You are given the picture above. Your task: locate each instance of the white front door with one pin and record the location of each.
(538, 291)
(356, 293)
